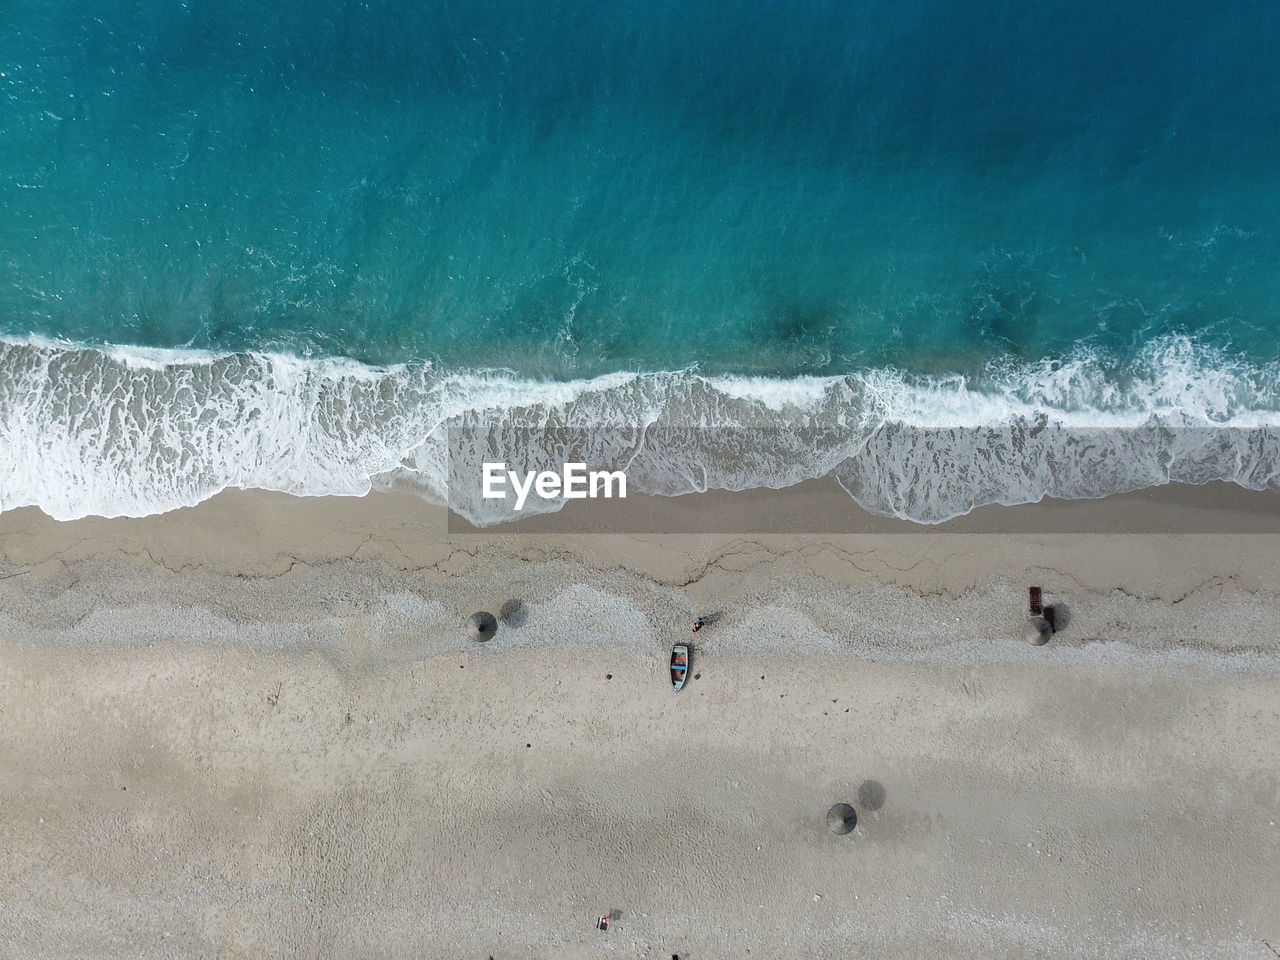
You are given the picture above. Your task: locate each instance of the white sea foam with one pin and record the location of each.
(123, 432)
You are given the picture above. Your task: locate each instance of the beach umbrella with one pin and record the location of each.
(1037, 631)
(842, 818)
(482, 626)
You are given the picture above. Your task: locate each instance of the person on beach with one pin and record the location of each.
(699, 624)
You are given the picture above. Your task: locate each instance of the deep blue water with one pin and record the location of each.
(572, 187)
(989, 214)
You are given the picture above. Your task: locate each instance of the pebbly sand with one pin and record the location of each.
(255, 728)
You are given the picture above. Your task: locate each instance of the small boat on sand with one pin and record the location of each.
(679, 665)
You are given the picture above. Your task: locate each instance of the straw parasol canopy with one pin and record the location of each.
(482, 626)
(1037, 631)
(842, 818)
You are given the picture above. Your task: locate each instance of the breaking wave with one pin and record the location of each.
(131, 432)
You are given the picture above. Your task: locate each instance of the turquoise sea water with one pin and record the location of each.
(350, 222)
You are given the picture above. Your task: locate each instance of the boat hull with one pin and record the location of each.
(679, 666)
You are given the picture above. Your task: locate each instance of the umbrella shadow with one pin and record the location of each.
(1061, 616)
(513, 612)
(871, 795)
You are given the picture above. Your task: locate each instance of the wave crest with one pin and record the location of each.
(116, 432)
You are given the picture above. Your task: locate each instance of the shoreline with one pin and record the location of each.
(821, 507)
(337, 427)
(257, 727)
(1197, 542)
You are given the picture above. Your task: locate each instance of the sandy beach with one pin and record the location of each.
(256, 728)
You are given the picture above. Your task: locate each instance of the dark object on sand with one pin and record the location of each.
(512, 612)
(842, 818)
(482, 626)
(679, 665)
(602, 923)
(1039, 627)
(871, 795)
